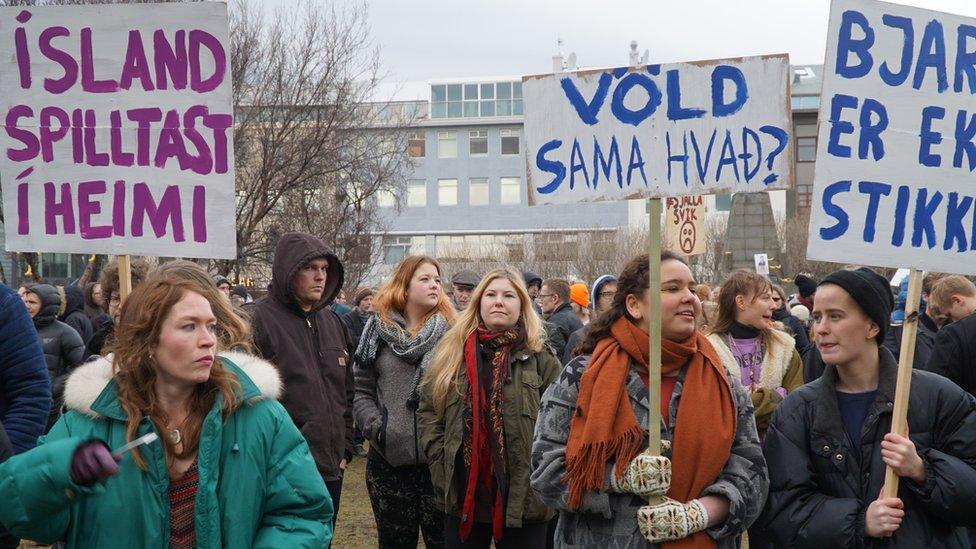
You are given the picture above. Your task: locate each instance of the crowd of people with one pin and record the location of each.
(504, 408)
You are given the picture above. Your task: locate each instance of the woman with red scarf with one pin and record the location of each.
(479, 401)
(587, 458)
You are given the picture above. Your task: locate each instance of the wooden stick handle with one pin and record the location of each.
(654, 327)
(899, 418)
(125, 277)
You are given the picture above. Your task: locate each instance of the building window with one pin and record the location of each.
(449, 248)
(416, 193)
(476, 100)
(806, 149)
(478, 142)
(395, 248)
(478, 192)
(446, 144)
(723, 202)
(511, 190)
(510, 141)
(447, 192)
(385, 198)
(416, 144)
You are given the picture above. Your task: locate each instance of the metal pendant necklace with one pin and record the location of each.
(174, 436)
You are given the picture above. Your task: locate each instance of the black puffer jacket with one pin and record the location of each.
(74, 312)
(820, 486)
(63, 347)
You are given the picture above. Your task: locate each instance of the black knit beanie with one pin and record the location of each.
(805, 285)
(871, 292)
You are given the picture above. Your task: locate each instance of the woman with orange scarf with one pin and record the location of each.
(587, 457)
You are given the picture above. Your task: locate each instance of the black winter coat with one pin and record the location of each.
(954, 354)
(63, 347)
(355, 323)
(312, 351)
(6, 450)
(821, 484)
(560, 325)
(74, 313)
(795, 328)
(924, 342)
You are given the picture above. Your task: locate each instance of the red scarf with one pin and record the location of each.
(484, 434)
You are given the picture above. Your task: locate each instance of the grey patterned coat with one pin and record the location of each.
(609, 520)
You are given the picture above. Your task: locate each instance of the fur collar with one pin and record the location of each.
(776, 359)
(88, 380)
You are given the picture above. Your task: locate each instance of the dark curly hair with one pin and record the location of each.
(633, 280)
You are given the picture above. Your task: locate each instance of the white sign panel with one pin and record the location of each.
(894, 184)
(117, 133)
(659, 130)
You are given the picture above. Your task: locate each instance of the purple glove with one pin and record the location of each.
(92, 462)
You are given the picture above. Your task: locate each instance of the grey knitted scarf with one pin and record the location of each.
(416, 350)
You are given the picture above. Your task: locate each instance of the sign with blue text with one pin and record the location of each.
(659, 130)
(894, 183)
(117, 129)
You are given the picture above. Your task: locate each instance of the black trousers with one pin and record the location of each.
(528, 536)
(335, 492)
(403, 503)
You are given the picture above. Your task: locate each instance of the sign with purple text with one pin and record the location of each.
(117, 134)
(659, 130)
(894, 183)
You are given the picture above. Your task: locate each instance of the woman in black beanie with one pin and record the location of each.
(828, 444)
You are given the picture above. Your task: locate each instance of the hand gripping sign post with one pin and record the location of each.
(117, 130)
(893, 184)
(659, 130)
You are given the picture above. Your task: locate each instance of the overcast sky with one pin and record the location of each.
(424, 40)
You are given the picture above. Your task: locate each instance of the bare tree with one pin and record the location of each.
(313, 151)
(792, 232)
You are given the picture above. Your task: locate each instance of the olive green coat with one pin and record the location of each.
(441, 435)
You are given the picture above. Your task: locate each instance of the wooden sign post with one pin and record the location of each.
(654, 327)
(899, 418)
(125, 276)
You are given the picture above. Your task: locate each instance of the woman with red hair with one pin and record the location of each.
(412, 314)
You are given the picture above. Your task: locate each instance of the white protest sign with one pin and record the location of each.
(894, 184)
(684, 218)
(762, 264)
(659, 130)
(118, 127)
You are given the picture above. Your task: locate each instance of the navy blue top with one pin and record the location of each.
(853, 410)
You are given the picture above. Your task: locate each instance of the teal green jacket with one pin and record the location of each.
(258, 483)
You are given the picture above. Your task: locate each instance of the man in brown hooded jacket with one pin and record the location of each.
(294, 329)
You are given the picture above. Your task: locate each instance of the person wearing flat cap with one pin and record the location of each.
(829, 442)
(463, 282)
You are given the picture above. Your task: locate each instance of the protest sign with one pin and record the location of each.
(659, 130)
(894, 183)
(118, 129)
(762, 263)
(684, 230)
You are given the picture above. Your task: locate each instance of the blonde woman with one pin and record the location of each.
(479, 403)
(764, 358)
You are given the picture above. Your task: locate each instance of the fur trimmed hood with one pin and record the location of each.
(86, 384)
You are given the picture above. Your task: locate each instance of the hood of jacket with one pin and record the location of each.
(293, 251)
(50, 304)
(87, 390)
(74, 301)
(529, 277)
(598, 285)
